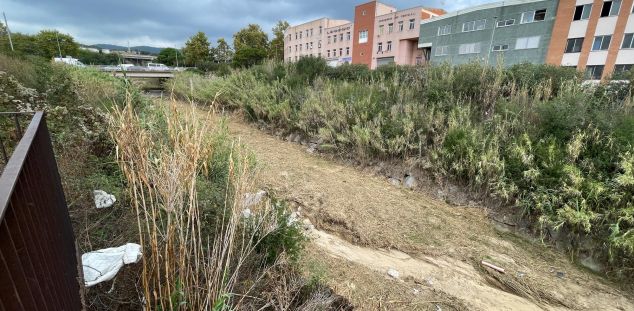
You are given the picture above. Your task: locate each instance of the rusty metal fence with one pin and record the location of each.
(38, 263)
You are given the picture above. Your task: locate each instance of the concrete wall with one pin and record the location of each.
(312, 41)
(338, 44)
(491, 35)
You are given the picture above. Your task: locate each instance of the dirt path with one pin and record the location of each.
(365, 226)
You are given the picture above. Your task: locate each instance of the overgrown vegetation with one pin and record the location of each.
(200, 251)
(534, 136)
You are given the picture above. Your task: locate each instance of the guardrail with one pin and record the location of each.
(38, 259)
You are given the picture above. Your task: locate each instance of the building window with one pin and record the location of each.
(319, 44)
(412, 24)
(289, 48)
(505, 23)
(601, 43)
(321, 28)
(474, 25)
(295, 47)
(442, 50)
(533, 16)
(400, 26)
(363, 36)
(444, 30)
(527, 43)
(347, 50)
(334, 39)
(390, 28)
(469, 48)
(328, 53)
(582, 12)
(306, 45)
(620, 70)
(311, 45)
(328, 39)
(500, 47)
(319, 54)
(348, 36)
(380, 47)
(628, 41)
(574, 45)
(594, 72)
(311, 32)
(341, 37)
(389, 46)
(380, 30)
(295, 36)
(340, 51)
(363, 12)
(611, 8)
(300, 34)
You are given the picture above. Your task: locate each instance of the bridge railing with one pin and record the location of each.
(38, 260)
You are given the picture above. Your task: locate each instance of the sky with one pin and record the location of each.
(168, 23)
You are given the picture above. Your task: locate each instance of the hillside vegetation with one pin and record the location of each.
(556, 150)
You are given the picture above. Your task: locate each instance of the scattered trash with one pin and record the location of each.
(251, 199)
(520, 274)
(393, 273)
(103, 265)
(438, 308)
(246, 213)
(429, 281)
(410, 182)
(416, 291)
(103, 199)
(492, 266)
(561, 274)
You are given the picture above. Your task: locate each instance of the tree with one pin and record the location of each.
(170, 57)
(276, 50)
(97, 58)
(250, 45)
(196, 49)
(248, 56)
(223, 51)
(51, 42)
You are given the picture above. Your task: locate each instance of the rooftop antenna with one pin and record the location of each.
(8, 31)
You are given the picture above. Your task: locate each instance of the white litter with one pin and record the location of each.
(246, 213)
(102, 265)
(251, 199)
(103, 199)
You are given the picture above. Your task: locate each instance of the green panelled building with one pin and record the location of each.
(507, 32)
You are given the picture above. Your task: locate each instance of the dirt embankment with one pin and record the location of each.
(365, 227)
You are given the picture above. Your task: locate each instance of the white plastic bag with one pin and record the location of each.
(103, 265)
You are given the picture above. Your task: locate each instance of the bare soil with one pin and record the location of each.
(365, 226)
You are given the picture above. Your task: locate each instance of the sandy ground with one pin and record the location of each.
(365, 226)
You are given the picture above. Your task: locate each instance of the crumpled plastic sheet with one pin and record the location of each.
(104, 264)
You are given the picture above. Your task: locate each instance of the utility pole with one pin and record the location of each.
(8, 31)
(59, 48)
(495, 21)
(176, 58)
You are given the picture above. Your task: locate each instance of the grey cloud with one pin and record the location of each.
(171, 22)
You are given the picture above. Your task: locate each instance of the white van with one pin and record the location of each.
(69, 60)
(157, 67)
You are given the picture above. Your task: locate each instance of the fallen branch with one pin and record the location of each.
(492, 266)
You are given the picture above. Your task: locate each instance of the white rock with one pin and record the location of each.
(410, 182)
(393, 273)
(246, 213)
(103, 199)
(251, 199)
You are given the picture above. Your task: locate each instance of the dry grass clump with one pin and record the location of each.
(189, 261)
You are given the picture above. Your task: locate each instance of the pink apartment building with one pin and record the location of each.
(380, 34)
(315, 38)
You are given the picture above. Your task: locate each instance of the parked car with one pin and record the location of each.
(157, 67)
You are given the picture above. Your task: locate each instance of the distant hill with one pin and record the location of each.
(141, 48)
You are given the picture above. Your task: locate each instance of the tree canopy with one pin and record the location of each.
(196, 49)
(276, 51)
(170, 57)
(223, 52)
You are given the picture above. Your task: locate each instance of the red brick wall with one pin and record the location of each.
(362, 52)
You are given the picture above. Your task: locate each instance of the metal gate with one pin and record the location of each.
(38, 263)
